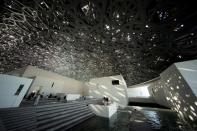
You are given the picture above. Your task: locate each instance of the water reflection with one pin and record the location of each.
(135, 119)
(154, 119)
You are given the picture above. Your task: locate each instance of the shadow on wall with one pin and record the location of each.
(113, 87)
(173, 91)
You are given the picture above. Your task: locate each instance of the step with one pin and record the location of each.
(58, 107)
(59, 110)
(19, 124)
(51, 105)
(61, 116)
(15, 108)
(19, 119)
(72, 122)
(48, 116)
(10, 116)
(15, 111)
(32, 127)
(47, 126)
(57, 104)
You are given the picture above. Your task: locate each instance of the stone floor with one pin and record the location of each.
(135, 119)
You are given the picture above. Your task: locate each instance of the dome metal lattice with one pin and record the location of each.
(83, 39)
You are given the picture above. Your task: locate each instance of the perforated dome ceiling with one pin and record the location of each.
(83, 39)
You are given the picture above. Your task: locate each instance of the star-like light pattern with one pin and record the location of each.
(83, 39)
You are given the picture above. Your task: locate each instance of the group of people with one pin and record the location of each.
(37, 95)
(106, 101)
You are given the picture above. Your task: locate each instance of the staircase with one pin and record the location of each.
(16, 119)
(61, 116)
(51, 117)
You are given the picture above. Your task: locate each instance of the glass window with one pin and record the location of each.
(19, 90)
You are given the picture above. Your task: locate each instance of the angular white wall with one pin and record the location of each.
(158, 93)
(173, 90)
(188, 70)
(73, 86)
(100, 87)
(140, 93)
(44, 79)
(45, 84)
(68, 86)
(8, 87)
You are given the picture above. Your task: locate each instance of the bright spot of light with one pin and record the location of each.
(195, 103)
(117, 16)
(192, 108)
(146, 26)
(107, 27)
(191, 117)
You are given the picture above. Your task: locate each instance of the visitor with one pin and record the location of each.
(32, 94)
(58, 98)
(37, 98)
(106, 101)
(50, 95)
(65, 99)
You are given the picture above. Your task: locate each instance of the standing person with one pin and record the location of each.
(38, 97)
(104, 100)
(84, 97)
(65, 98)
(107, 100)
(31, 95)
